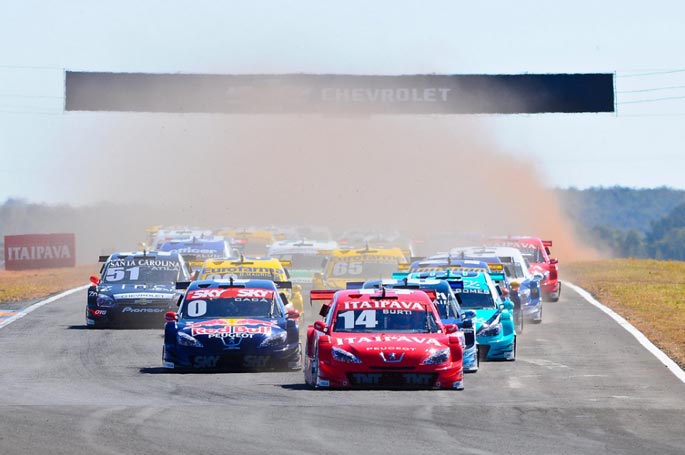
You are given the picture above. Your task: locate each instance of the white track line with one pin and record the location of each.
(658, 353)
(37, 305)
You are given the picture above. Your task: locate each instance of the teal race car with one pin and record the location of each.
(495, 331)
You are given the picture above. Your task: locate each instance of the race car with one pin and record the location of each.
(447, 305)
(536, 252)
(135, 289)
(157, 236)
(495, 330)
(306, 258)
(196, 250)
(232, 324)
(515, 269)
(264, 268)
(358, 265)
(371, 338)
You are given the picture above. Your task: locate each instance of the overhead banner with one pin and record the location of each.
(40, 251)
(330, 94)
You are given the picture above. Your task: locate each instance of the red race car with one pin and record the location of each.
(378, 338)
(537, 254)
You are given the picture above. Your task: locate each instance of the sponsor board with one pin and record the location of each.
(39, 251)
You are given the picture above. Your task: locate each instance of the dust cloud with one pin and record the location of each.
(437, 179)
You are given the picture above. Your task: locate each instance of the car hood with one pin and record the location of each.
(483, 315)
(387, 349)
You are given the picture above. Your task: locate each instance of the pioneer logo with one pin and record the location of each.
(128, 309)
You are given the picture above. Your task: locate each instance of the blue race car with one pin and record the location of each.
(523, 285)
(196, 250)
(135, 289)
(448, 308)
(232, 324)
(495, 331)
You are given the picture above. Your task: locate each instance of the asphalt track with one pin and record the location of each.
(581, 385)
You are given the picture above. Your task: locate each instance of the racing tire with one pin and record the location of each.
(513, 359)
(539, 319)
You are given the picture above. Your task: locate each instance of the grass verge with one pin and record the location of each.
(36, 284)
(649, 294)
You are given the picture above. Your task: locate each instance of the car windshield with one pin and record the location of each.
(141, 270)
(230, 303)
(475, 298)
(302, 261)
(446, 305)
(365, 270)
(402, 321)
(514, 270)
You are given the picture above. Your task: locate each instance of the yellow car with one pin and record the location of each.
(253, 268)
(358, 265)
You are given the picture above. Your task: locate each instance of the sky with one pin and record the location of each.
(641, 145)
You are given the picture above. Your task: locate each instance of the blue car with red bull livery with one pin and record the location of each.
(232, 325)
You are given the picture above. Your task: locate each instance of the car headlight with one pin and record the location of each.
(491, 330)
(343, 356)
(105, 301)
(274, 339)
(441, 356)
(184, 339)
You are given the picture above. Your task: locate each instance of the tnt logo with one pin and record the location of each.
(367, 378)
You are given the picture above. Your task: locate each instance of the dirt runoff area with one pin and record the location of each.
(36, 284)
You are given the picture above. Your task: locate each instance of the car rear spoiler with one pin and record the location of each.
(547, 243)
(400, 275)
(497, 276)
(455, 283)
(103, 258)
(182, 284)
(325, 295)
(355, 285)
(284, 284)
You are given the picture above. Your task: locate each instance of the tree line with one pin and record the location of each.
(628, 222)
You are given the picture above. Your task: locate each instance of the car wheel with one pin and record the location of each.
(513, 357)
(538, 319)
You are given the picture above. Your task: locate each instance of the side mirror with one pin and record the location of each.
(170, 316)
(470, 314)
(292, 315)
(95, 280)
(451, 328)
(553, 261)
(320, 326)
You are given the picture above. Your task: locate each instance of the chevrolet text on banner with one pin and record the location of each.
(39, 251)
(332, 93)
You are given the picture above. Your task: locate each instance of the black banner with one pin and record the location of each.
(310, 93)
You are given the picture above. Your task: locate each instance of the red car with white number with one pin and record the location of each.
(378, 338)
(536, 252)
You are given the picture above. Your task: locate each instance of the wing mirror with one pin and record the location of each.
(170, 316)
(553, 261)
(293, 315)
(451, 328)
(320, 326)
(95, 280)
